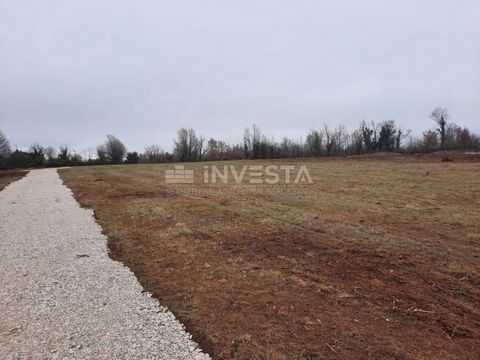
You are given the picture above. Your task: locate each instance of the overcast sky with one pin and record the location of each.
(73, 71)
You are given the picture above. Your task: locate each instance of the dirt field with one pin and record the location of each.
(378, 258)
(6, 177)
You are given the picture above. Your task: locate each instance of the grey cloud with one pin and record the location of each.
(71, 72)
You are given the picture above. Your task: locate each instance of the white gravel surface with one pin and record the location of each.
(61, 296)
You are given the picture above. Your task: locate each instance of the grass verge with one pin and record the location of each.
(9, 176)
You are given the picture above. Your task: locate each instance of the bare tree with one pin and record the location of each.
(339, 137)
(154, 154)
(400, 136)
(201, 148)
(370, 135)
(115, 150)
(37, 150)
(216, 150)
(102, 154)
(314, 142)
(181, 145)
(64, 154)
(247, 143)
(440, 116)
(462, 138)
(188, 146)
(112, 151)
(356, 142)
(50, 153)
(256, 141)
(330, 141)
(5, 149)
(38, 154)
(386, 136)
(430, 140)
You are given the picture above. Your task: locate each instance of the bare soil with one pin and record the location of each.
(380, 259)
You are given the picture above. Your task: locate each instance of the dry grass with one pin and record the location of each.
(7, 177)
(379, 260)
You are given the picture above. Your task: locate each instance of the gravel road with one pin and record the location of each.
(61, 296)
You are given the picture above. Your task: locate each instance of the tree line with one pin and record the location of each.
(188, 146)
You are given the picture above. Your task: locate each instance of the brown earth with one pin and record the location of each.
(379, 258)
(9, 176)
